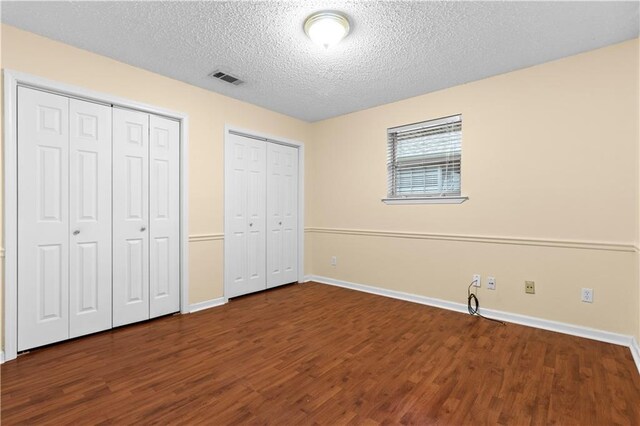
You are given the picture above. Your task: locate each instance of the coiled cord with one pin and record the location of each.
(472, 300)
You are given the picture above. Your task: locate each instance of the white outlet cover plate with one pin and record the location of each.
(477, 280)
(491, 283)
(587, 295)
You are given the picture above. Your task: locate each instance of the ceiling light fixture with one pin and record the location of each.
(326, 28)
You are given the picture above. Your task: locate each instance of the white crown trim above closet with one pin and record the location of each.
(13, 79)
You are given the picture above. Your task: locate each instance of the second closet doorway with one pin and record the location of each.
(98, 217)
(262, 220)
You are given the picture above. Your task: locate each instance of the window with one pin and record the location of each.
(423, 160)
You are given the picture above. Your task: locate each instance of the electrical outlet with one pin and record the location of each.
(491, 283)
(530, 287)
(476, 280)
(587, 295)
(334, 261)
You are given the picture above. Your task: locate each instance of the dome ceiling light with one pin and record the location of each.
(326, 28)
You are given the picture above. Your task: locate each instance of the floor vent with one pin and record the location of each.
(226, 77)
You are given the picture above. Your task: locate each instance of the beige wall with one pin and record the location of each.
(208, 113)
(549, 153)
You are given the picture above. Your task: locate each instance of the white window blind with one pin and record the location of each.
(423, 159)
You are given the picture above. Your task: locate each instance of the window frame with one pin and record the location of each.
(393, 170)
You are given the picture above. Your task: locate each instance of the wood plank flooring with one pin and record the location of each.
(315, 354)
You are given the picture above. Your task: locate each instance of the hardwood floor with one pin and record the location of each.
(315, 354)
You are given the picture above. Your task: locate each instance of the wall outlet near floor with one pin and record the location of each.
(476, 280)
(334, 261)
(587, 295)
(530, 287)
(491, 283)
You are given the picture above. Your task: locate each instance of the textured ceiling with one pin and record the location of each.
(395, 49)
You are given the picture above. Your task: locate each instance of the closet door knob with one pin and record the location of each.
(76, 232)
(143, 229)
(251, 224)
(279, 223)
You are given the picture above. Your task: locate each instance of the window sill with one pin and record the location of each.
(425, 200)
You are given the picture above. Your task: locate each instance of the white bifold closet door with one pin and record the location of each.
(90, 217)
(282, 214)
(146, 250)
(261, 215)
(43, 218)
(245, 209)
(130, 216)
(164, 216)
(98, 217)
(64, 254)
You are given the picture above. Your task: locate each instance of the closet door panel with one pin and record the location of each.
(164, 216)
(282, 214)
(244, 215)
(290, 215)
(90, 218)
(43, 218)
(274, 215)
(256, 215)
(235, 235)
(130, 216)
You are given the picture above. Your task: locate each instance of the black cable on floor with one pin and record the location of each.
(472, 299)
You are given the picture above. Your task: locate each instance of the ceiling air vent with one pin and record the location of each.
(226, 77)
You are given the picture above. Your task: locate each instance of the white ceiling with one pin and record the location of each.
(395, 50)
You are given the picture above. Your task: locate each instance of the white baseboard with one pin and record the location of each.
(1, 357)
(635, 351)
(195, 307)
(559, 327)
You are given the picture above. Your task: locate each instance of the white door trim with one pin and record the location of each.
(13, 79)
(283, 141)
